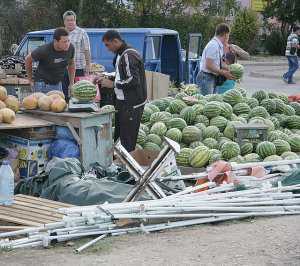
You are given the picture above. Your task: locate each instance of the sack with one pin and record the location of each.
(220, 80)
(63, 148)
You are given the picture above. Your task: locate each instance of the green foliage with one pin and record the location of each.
(275, 42)
(244, 31)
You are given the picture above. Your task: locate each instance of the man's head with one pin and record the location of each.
(61, 39)
(230, 58)
(69, 18)
(222, 32)
(112, 40)
(296, 30)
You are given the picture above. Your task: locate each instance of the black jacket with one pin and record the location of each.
(132, 76)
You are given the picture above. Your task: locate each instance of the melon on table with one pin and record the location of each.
(30, 102)
(12, 103)
(44, 103)
(2, 104)
(54, 96)
(3, 93)
(58, 105)
(8, 115)
(60, 93)
(38, 95)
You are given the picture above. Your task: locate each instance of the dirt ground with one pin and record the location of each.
(263, 241)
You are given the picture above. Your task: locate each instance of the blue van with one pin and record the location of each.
(160, 48)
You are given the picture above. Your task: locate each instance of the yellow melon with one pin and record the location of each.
(44, 103)
(30, 102)
(2, 105)
(3, 93)
(12, 103)
(58, 105)
(8, 115)
(54, 97)
(60, 93)
(38, 95)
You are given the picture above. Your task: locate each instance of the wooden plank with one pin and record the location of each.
(15, 220)
(52, 202)
(49, 205)
(12, 228)
(24, 216)
(25, 121)
(33, 209)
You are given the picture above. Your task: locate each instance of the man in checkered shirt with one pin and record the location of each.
(80, 40)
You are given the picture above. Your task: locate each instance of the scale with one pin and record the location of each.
(80, 106)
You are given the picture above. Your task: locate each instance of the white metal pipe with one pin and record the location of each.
(90, 243)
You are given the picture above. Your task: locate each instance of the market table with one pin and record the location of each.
(93, 134)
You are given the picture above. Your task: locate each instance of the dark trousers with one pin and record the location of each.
(66, 82)
(127, 124)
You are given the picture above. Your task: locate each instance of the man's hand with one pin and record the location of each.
(106, 83)
(227, 74)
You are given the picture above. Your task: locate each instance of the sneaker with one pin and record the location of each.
(292, 82)
(285, 80)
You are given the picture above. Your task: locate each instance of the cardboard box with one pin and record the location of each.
(144, 158)
(157, 85)
(28, 169)
(149, 77)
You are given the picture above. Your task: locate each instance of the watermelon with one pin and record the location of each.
(246, 148)
(293, 122)
(176, 106)
(252, 102)
(237, 70)
(183, 145)
(296, 107)
(294, 141)
(161, 104)
(191, 134)
(260, 95)
(149, 146)
(226, 110)
(160, 117)
(251, 158)
(174, 134)
(272, 158)
(188, 115)
(219, 121)
(241, 108)
(259, 111)
(145, 128)
(289, 154)
(138, 147)
(158, 128)
(265, 149)
(214, 155)
(201, 126)
(176, 123)
(237, 159)
(153, 107)
(284, 98)
(180, 95)
(195, 144)
(210, 143)
(199, 157)
(222, 140)
(289, 110)
(141, 138)
(269, 104)
(281, 146)
(202, 119)
(272, 95)
(191, 89)
(154, 139)
(212, 109)
(232, 97)
(287, 131)
(241, 90)
(211, 132)
(275, 122)
(230, 149)
(229, 131)
(280, 106)
(175, 115)
(198, 109)
(84, 90)
(182, 158)
(214, 97)
(281, 118)
(146, 114)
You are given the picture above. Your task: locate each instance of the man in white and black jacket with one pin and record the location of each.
(129, 87)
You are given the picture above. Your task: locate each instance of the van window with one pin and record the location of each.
(153, 44)
(30, 44)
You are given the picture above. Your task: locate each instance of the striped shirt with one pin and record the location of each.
(81, 42)
(292, 41)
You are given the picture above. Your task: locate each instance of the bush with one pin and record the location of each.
(275, 42)
(244, 31)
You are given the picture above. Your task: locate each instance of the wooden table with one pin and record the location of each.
(92, 131)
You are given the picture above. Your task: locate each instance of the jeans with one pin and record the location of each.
(206, 83)
(293, 66)
(41, 86)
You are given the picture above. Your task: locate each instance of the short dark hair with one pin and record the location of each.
(59, 32)
(296, 28)
(111, 35)
(230, 57)
(222, 29)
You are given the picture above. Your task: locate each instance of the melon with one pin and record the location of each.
(54, 97)
(38, 95)
(30, 102)
(1, 117)
(3, 93)
(2, 105)
(8, 115)
(60, 93)
(44, 103)
(58, 105)
(12, 103)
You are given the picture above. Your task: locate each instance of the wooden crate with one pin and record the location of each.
(29, 211)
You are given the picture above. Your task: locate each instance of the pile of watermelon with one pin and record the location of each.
(204, 126)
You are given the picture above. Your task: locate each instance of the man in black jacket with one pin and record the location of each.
(129, 87)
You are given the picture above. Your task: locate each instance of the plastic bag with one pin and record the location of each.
(63, 133)
(63, 148)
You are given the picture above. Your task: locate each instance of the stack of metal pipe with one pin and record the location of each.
(188, 207)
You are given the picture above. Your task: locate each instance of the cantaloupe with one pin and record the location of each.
(12, 103)
(2, 105)
(58, 105)
(44, 103)
(54, 97)
(60, 93)
(30, 102)
(3, 93)
(8, 115)
(38, 95)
